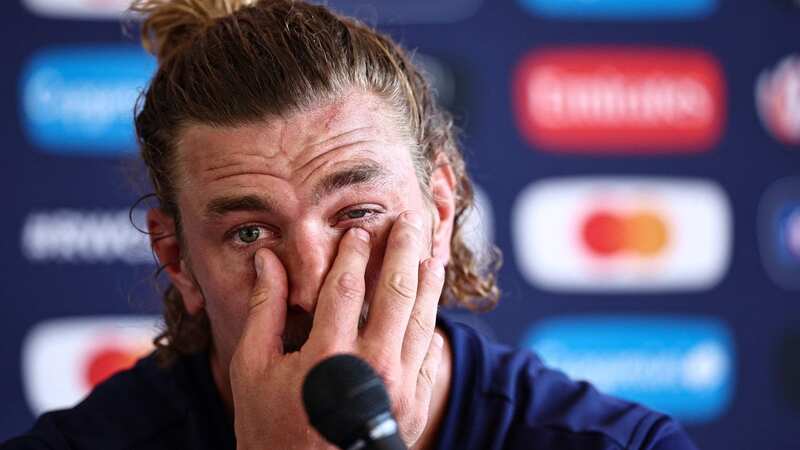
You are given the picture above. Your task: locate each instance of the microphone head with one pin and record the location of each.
(341, 394)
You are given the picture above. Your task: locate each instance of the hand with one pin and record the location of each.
(398, 339)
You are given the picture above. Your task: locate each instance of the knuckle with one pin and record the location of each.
(349, 286)
(405, 237)
(259, 294)
(427, 376)
(421, 321)
(432, 281)
(402, 285)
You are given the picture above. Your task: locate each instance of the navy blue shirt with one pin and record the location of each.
(500, 399)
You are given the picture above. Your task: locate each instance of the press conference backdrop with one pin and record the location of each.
(638, 163)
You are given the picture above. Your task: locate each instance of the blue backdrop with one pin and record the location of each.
(638, 164)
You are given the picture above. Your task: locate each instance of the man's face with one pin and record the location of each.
(293, 185)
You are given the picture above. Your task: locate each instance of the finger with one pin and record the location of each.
(423, 315)
(341, 297)
(396, 289)
(266, 316)
(430, 370)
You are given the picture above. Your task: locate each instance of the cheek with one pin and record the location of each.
(226, 282)
(223, 272)
(226, 287)
(227, 317)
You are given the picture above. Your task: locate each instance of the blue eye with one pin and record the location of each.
(249, 234)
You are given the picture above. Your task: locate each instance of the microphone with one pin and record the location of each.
(347, 403)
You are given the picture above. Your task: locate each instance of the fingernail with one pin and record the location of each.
(360, 234)
(438, 340)
(413, 218)
(259, 264)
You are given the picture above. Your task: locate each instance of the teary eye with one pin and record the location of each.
(360, 214)
(357, 213)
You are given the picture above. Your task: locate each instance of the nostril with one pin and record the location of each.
(297, 328)
(297, 311)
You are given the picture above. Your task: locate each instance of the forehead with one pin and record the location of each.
(294, 149)
(358, 113)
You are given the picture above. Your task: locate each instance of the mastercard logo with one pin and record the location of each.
(64, 359)
(622, 234)
(608, 233)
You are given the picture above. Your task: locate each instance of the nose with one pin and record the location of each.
(307, 256)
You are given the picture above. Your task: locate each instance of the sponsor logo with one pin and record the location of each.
(83, 351)
(779, 232)
(78, 9)
(80, 100)
(621, 9)
(620, 100)
(607, 234)
(778, 100)
(683, 366)
(77, 236)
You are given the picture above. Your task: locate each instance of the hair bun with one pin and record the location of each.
(168, 25)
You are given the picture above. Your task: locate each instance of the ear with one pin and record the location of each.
(165, 243)
(443, 185)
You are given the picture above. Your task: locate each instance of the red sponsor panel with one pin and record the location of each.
(103, 362)
(620, 100)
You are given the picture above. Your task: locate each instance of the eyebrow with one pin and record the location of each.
(362, 173)
(224, 205)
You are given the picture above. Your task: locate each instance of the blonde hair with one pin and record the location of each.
(229, 62)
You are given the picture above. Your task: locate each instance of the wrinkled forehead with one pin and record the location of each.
(293, 139)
